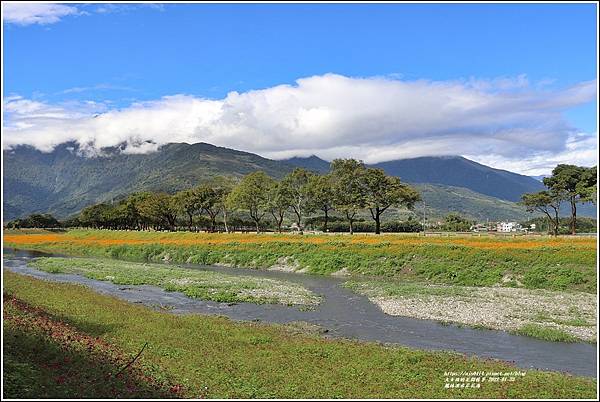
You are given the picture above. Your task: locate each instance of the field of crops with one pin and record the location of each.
(562, 263)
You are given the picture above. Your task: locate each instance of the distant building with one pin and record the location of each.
(507, 227)
(480, 227)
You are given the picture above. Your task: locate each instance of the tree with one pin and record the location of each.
(321, 195)
(453, 222)
(35, 221)
(574, 183)
(546, 202)
(588, 185)
(251, 194)
(223, 185)
(96, 216)
(141, 203)
(190, 203)
(131, 212)
(118, 216)
(348, 186)
(294, 187)
(209, 198)
(278, 203)
(382, 192)
(160, 209)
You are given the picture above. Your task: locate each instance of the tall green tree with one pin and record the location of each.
(453, 222)
(295, 187)
(321, 195)
(161, 209)
(251, 195)
(278, 203)
(141, 203)
(210, 202)
(382, 192)
(546, 202)
(588, 185)
(572, 182)
(35, 221)
(223, 186)
(347, 176)
(132, 213)
(97, 216)
(188, 202)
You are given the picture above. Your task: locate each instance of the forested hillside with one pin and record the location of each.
(62, 182)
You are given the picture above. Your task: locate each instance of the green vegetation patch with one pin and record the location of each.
(576, 320)
(199, 284)
(544, 263)
(404, 289)
(545, 333)
(46, 358)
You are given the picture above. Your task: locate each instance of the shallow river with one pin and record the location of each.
(345, 314)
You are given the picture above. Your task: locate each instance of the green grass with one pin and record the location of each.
(403, 289)
(45, 359)
(576, 321)
(545, 333)
(543, 263)
(193, 283)
(217, 358)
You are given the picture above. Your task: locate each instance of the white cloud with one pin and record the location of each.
(580, 149)
(374, 119)
(98, 87)
(22, 13)
(26, 13)
(110, 8)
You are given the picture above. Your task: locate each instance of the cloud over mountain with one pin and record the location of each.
(374, 119)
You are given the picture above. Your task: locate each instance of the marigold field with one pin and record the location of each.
(563, 263)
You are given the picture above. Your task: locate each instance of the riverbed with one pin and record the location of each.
(344, 314)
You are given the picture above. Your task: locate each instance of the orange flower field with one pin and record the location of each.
(106, 238)
(560, 263)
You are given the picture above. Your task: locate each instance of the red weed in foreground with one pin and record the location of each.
(102, 355)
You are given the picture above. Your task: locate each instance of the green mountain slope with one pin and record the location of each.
(63, 182)
(461, 172)
(450, 171)
(441, 199)
(457, 184)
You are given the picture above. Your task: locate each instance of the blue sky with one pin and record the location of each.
(115, 56)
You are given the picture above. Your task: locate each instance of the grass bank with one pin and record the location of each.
(534, 263)
(45, 357)
(193, 283)
(214, 357)
(544, 314)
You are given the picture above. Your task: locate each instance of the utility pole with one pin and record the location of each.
(424, 217)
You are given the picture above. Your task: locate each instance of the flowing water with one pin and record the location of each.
(346, 314)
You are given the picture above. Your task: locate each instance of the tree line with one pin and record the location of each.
(568, 184)
(35, 221)
(347, 189)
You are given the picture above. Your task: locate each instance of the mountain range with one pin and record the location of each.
(450, 171)
(64, 181)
